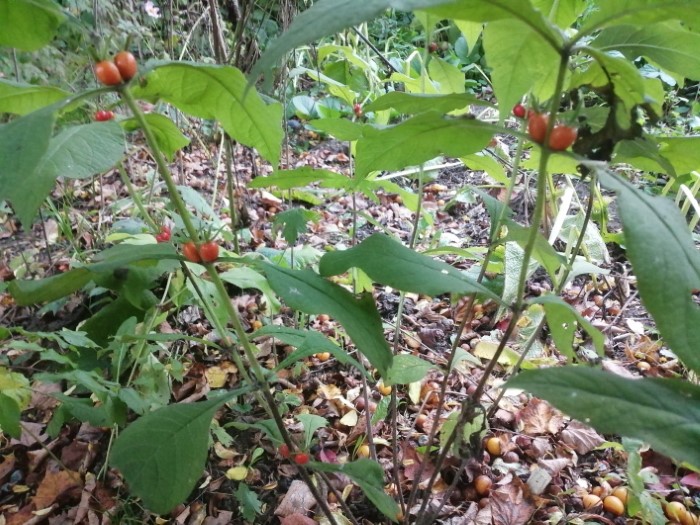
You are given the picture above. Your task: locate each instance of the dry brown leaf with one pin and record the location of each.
(618, 369)
(581, 438)
(84, 506)
(22, 517)
(510, 505)
(41, 395)
(7, 465)
(297, 498)
(554, 466)
(539, 417)
(54, 485)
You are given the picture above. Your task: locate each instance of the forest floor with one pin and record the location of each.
(64, 479)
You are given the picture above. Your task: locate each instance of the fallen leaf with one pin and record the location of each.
(86, 497)
(349, 419)
(554, 466)
(581, 438)
(509, 505)
(237, 473)
(54, 485)
(691, 480)
(539, 417)
(297, 498)
(7, 465)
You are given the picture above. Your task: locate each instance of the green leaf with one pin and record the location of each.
(244, 277)
(449, 78)
(162, 454)
(666, 263)
(19, 99)
(307, 291)
(389, 262)
(292, 222)
(670, 45)
(32, 292)
(26, 293)
(340, 128)
(662, 412)
(369, 476)
(521, 62)
(421, 103)
(15, 386)
(407, 368)
(300, 177)
(674, 156)
(311, 423)
(250, 505)
(562, 319)
(219, 92)
(23, 143)
(82, 151)
(10, 416)
(562, 14)
(626, 79)
(419, 139)
(307, 343)
(480, 11)
(324, 18)
(169, 138)
(484, 162)
(498, 212)
(28, 24)
(543, 252)
(638, 12)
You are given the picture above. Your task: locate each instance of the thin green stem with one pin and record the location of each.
(135, 196)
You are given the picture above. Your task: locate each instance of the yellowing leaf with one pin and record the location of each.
(218, 375)
(349, 419)
(15, 386)
(237, 473)
(487, 350)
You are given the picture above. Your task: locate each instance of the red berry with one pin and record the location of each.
(357, 108)
(209, 251)
(190, 251)
(302, 458)
(432, 47)
(126, 63)
(537, 126)
(284, 450)
(103, 115)
(519, 111)
(108, 73)
(561, 137)
(164, 235)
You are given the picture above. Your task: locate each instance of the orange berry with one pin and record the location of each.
(613, 505)
(493, 446)
(482, 485)
(590, 501)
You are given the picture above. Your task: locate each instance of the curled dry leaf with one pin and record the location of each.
(539, 417)
(510, 504)
(581, 438)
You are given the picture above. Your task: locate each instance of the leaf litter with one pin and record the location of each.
(546, 460)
